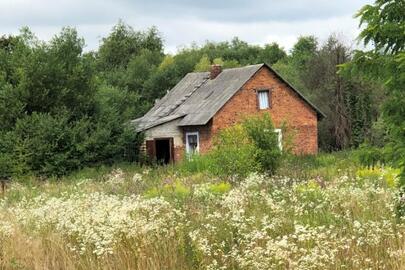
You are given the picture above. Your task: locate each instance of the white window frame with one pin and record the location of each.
(198, 142)
(279, 137)
(268, 98)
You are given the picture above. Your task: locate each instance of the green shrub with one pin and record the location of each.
(370, 156)
(240, 150)
(233, 153)
(53, 145)
(260, 130)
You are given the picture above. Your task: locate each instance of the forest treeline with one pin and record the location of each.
(62, 108)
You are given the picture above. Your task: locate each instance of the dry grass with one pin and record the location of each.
(51, 252)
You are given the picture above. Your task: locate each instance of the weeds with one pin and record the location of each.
(138, 218)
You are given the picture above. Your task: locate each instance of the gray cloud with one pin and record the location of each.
(182, 22)
(248, 11)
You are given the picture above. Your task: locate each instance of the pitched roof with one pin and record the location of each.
(197, 99)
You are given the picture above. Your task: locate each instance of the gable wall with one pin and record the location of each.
(286, 106)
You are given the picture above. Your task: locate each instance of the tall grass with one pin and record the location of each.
(179, 217)
(322, 212)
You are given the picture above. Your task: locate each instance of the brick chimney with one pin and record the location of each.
(215, 70)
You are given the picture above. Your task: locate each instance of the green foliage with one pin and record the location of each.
(94, 95)
(6, 166)
(166, 76)
(57, 117)
(387, 176)
(260, 130)
(220, 188)
(351, 102)
(123, 43)
(45, 78)
(272, 53)
(53, 145)
(233, 153)
(379, 133)
(371, 156)
(127, 59)
(303, 51)
(245, 148)
(203, 65)
(177, 191)
(325, 166)
(383, 25)
(196, 164)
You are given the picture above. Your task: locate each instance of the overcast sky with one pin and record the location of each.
(182, 22)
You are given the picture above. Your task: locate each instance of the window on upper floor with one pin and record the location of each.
(263, 99)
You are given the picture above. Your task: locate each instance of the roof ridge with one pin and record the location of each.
(245, 67)
(227, 69)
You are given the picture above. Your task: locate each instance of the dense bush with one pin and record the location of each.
(233, 153)
(260, 131)
(248, 147)
(371, 156)
(56, 114)
(53, 145)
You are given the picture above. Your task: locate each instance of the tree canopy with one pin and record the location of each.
(62, 108)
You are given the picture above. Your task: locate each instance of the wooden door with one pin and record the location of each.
(151, 149)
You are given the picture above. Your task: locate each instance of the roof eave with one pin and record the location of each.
(158, 122)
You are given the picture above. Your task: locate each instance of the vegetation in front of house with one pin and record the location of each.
(251, 146)
(338, 214)
(62, 108)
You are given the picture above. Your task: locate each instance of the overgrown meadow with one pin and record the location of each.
(326, 213)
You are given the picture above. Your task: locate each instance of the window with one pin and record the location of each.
(192, 143)
(263, 98)
(279, 137)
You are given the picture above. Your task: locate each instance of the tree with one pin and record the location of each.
(123, 43)
(333, 87)
(127, 58)
(203, 65)
(56, 115)
(303, 51)
(384, 26)
(349, 101)
(272, 53)
(139, 70)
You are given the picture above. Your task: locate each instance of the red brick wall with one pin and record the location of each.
(285, 107)
(178, 153)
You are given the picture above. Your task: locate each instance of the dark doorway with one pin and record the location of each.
(163, 151)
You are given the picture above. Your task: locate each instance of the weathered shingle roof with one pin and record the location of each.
(197, 99)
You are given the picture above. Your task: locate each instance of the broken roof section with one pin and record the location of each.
(196, 98)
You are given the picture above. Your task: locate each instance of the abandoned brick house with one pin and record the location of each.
(189, 115)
